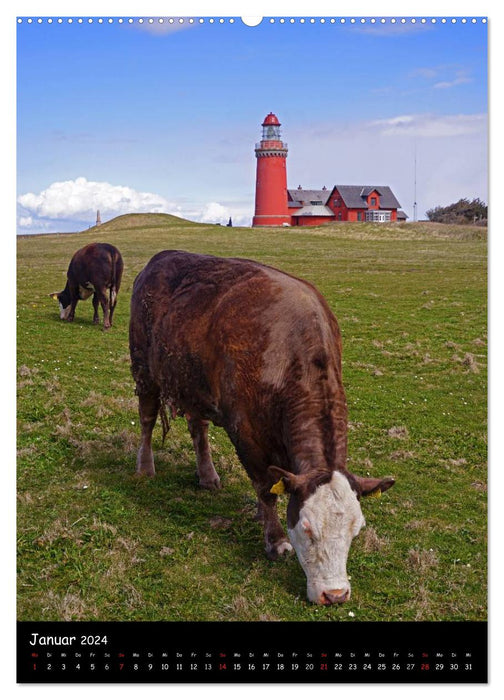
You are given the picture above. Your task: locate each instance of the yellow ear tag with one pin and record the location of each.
(375, 494)
(278, 488)
(55, 297)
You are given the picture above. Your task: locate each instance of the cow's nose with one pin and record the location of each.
(338, 595)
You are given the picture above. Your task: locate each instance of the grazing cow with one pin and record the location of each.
(95, 269)
(258, 352)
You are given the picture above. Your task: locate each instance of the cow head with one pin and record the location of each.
(65, 302)
(323, 517)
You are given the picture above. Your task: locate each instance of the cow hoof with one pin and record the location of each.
(279, 549)
(145, 470)
(145, 473)
(211, 485)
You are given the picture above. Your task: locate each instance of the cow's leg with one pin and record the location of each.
(105, 304)
(208, 477)
(71, 314)
(96, 318)
(74, 296)
(274, 535)
(148, 408)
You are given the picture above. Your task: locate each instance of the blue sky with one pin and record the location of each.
(122, 117)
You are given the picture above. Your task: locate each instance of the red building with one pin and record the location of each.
(275, 205)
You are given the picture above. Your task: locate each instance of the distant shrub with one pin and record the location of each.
(461, 212)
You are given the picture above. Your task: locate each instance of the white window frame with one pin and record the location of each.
(379, 215)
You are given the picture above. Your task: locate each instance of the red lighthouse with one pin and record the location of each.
(271, 180)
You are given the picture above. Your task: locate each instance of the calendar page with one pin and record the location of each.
(252, 349)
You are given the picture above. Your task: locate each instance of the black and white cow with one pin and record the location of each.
(94, 270)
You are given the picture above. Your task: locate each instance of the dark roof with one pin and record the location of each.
(354, 196)
(308, 196)
(401, 214)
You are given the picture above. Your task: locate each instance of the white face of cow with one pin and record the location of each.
(64, 311)
(329, 519)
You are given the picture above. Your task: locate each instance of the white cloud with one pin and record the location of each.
(431, 125)
(459, 80)
(72, 205)
(80, 198)
(427, 73)
(447, 76)
(165, 25)
(388, 29)
(214, 211)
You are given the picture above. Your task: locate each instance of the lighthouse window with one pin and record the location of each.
(271, 133)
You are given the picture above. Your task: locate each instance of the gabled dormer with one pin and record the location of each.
(336, 201)
(371, 195)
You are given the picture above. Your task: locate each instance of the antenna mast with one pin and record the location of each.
(415, 188)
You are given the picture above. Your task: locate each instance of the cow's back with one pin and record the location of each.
(99, 263)
(181, 309)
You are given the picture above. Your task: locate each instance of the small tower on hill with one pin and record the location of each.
(98, 218)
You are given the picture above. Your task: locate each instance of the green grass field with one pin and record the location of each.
(97, 543)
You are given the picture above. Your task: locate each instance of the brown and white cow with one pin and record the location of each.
(94, 270)
(258, 352)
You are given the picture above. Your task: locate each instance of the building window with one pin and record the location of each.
(373, 201)
(337, 202)
(378, 215)
(340, 216)
(359, 216)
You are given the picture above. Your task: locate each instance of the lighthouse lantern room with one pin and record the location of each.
(271, 128)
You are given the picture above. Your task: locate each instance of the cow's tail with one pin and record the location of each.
(165, 421)
(112, 288)
(117, 270)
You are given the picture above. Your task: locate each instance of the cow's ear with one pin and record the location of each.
(282, 480)
(374, 487)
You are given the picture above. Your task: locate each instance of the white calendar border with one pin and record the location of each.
(260, 8)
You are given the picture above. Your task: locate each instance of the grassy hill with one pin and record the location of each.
(127, 222)
(95, 542)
